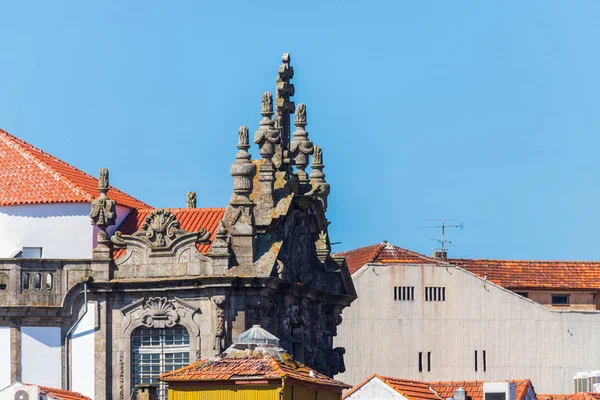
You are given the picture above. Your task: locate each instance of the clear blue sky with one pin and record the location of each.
(483, 111)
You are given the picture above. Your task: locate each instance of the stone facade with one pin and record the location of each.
(269, 264)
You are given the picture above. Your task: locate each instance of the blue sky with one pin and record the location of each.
(482, 111)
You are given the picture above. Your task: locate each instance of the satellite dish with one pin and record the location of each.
(21, 395)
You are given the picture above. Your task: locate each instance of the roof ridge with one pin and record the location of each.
(381, 247)
(13, 142)
(359, 248)
(521, 261)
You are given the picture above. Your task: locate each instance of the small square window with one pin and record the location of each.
(560, 299)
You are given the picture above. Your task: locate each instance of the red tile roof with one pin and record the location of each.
(383, 252)
(568, 275)
(417, 390)
(263, 367)
(190, 219)
(60, 394)
(30, 176)
(474, 389)
(576, 396)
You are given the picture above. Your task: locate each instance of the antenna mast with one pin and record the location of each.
(442, 252)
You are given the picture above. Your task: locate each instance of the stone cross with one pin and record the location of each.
(284, 106)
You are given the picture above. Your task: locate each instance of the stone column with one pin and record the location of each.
(15, 353)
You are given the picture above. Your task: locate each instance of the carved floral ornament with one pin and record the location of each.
(159, 312)
(160, 231)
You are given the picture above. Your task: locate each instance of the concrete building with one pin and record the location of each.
(103, 307)
(253, 367)
(442, 319)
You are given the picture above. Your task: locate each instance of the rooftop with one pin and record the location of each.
(511, 274)
(30, 176)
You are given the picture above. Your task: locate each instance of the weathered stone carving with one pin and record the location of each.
(220, 330)
(284, 108)
(318, 184)
(191, 199)
(301, 147)
(266, 137)
(161, 234)
(159, 313)
(103, 215)
(242, 170)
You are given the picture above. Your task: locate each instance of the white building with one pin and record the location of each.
(432, 320)
(45, 204)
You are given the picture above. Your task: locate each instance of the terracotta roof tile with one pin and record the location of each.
(576, 396)
(567, 275)
(190, 219)
(60, 394)
(30, 176)
(263, 367)
(383, 252)
(474, 389)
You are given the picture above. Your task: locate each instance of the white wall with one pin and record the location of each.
(82, 354)
(522, 339)
(63, 230)
(41, 356)
(4, 356)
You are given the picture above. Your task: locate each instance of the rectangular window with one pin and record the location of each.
(523, 294)
(484, 362)
(435, 293)
(404, 293)
(560, 299)
(31, 252)
(420, 362)
(475, 360)
(428, 361)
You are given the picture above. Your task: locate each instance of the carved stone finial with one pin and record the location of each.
(284, 108)
(191, 199)
(103, 180)
(242, 170)
(301, 147)
(267, 103)
(103, 215)
(318, 184)
(159, 313)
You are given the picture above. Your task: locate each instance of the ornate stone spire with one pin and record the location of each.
(318, 184)
(239, 216)
(242, 170)
(301, 147)
(219, 251)
(267, 137)
(284, 108)
(103, 215)
(191, 199)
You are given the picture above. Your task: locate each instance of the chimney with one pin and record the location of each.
(146, 391)
(460, 394)
(441, 255)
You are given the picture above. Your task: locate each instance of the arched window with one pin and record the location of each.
(37, 281)
(25, 281)
(48, 281)
(3, 281)
(156, 351)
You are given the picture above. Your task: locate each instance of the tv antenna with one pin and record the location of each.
(443, 223)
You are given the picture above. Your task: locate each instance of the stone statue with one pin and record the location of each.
(191, 199)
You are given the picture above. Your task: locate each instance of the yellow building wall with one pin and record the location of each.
(302, 392)
(226, 392)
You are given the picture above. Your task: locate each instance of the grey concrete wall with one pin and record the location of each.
(522, 339)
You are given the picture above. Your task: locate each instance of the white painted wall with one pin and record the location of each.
(522, 339)
(375, 389)
(82, 354)
(41, 356)
(63, 230)
(4, 356)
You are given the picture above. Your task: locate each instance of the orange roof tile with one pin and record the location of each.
(60, 394)
(567, 275)
(30, 176)
(474, 389)
(576, 396)
(383, 252)
(417, 390)
(262, 367)
(190, 219)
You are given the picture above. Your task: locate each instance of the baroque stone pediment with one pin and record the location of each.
(159, 312)
(160, 235)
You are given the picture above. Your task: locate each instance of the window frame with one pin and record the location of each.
(566, 296)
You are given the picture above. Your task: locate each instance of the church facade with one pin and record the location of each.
(166, 287)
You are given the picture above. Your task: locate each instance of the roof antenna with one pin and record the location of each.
(442, 252)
